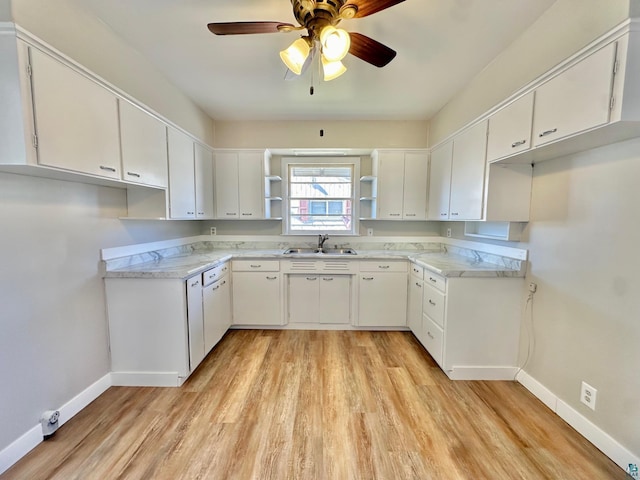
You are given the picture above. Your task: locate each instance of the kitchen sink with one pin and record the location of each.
(327, 251)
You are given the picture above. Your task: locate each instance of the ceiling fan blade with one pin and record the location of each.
(369, 7)
(243, 28)
(370, 50)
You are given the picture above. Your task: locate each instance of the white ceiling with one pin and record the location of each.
(441, 45)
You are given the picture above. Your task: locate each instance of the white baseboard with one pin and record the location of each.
(33, 437)
(146, 379)
(481, 373)
(598, 437)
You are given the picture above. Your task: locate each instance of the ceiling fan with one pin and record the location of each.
(320, 18)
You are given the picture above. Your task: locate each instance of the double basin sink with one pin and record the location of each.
(320, 251)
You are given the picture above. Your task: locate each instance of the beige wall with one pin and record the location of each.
(566, 27)
(580, 238)
(337, 134)
(75, 32)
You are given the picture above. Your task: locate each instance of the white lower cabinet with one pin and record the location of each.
(471, 326)
(382, 294)
(257, 292)
(156, 330)
(319, 299)
(414, 302)
(216, 303)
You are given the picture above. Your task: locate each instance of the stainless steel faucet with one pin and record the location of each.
(321, 240)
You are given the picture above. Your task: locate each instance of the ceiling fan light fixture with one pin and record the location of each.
(332, 69)
(335, 43)
(295, 55)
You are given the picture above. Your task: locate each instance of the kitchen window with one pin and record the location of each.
(321, 195)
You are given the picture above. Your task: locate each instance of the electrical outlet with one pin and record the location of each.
(588, 395)
(212, 231)
(448, 232)
(369, 232)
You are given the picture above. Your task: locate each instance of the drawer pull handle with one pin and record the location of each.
(108, 169)
(410, 214)
(327, 279)
(433, 280)
(200, 213)
(271, 278)
(443, 214)
(247, 214)
(394, 214)
(431, 303)
(230, 214)
(367, 278)
(383, 266)
(455, 214)
(215, 288)
(311, 279)
(191, 213)
(517, 144)
(418, 285)
(430, 336)
(224, 282)
(133, 174)
(196, 283)
(255, 266)
(548, 132)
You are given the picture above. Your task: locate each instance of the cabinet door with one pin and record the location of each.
(182, 199)
(414, 204)
(76, 120)
(440, 182)
(390, 185)
(467, 173)
(144, 146)
(414, 310)
(335, 299)
(383, 299)
(196, 322)
(216, 302)
(510, 129)
(203, 181)
(575, 100)
(251, 185)
(304, 294)
(226, 185)
(256, 298)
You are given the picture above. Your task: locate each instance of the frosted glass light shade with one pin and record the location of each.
(295, 56)
(332, 70)
(335, 43)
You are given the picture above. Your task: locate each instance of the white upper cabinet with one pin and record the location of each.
(401, 184)
(577, 99)
(76, 119)
(510, 129)
(239, 185)
(203, 180)
(390, 185)
(467, 173)
(144, 146)
(182, 199)
(440, 182)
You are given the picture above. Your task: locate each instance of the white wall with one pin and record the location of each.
(53, 341)
(337, 134)
(66, 26)
(582, 236)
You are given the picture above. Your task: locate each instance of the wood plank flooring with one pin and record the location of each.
(317, 405)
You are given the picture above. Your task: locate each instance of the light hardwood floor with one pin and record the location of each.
(317, 405)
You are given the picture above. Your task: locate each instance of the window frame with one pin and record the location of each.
(353, 162)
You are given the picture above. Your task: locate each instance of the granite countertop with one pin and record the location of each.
(187, 265)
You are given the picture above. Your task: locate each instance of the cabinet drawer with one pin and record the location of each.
(256, 266)
(214, 274)
(376, 266)
(435, 280)
(433, 304)
(417, 271)
(432, 338)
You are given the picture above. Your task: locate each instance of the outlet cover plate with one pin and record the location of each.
(588, 395)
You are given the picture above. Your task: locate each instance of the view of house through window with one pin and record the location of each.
(320, 197)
